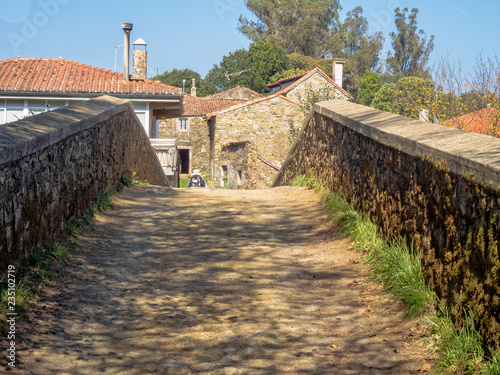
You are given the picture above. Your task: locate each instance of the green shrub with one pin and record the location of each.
(59, 252)
(299, 181)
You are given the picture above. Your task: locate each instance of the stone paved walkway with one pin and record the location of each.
(226, 282)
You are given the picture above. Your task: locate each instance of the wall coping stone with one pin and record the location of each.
(27, 136)
(463, 151)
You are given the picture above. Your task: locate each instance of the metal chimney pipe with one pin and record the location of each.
(127, 28)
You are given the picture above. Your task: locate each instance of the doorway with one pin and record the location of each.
(184, 156)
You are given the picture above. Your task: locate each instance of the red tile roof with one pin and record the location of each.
(251, 102)
(485, 121)
(194, 106)
(303, 77)
(64, 76)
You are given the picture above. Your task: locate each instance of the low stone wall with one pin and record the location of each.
(53, 165)
(435, 186)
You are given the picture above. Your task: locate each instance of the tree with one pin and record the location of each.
(410, 45)
(286, 74)
(258, 64)
(384, 98)
(371, 82)
(298, 26)
(235, 62)
(406, 97)
(354, 43)
(176, 76)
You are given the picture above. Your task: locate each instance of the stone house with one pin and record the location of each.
(189, 132)
(300, 87)
(249, 141)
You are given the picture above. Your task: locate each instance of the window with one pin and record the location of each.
(183, 124)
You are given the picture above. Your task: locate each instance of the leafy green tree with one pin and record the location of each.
(265, 61)
(406, 97)
(384, 98)
(176, 76)
(411, 47)
(371, 82)
(257, 66)
(235, 62)
(298, 26)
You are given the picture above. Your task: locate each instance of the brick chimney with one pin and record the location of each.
(140, 69)
(193, 88)
(338, 72)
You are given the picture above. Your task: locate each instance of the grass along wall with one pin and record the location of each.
(435, 186)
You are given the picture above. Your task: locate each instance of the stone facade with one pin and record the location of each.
(266, 126)
(54, 164)
(435, 186)
(315, 83)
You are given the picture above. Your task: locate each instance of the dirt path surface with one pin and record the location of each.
(226, 282)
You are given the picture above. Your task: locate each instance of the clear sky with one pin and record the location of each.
(196, 34)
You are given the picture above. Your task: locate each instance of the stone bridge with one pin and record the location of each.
(435, 186)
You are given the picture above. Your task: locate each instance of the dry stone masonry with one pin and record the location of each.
(53, 165)
(438, 187)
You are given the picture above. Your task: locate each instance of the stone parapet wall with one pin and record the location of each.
(435, 186)
(54, 164)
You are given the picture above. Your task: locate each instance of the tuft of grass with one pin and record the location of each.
(130, 179)
(75, 227)
(184, 183)
(400, 270)
(397, 267)
(102, 202)
(311, 182)
(493, 364)
(461, 350)
(299, 181)
(60, 252)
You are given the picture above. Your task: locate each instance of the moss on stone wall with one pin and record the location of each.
(452, 220)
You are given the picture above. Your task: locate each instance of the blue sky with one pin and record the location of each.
(196, 34)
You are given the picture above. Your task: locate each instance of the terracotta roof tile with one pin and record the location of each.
(485, 121)
(65, 76)
(194, 106)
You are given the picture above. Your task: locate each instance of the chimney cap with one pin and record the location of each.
(140, 42)
(127, 26)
